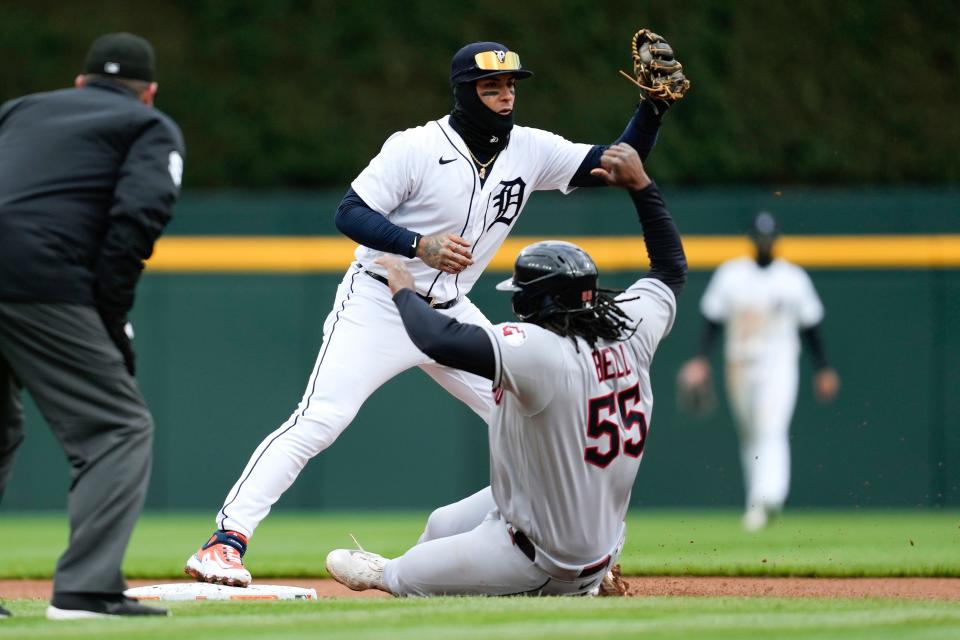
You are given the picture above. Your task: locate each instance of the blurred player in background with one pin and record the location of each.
(573, 403)
(765, 305)
(443, 196)
(88, 177)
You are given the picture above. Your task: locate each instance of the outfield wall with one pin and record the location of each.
(224, 355)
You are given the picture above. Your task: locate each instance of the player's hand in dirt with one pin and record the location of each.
(613, 584)
(826, 384)
(397, 275)
(445, 252)
(620, 166)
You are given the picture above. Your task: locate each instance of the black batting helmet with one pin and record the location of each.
(551, 277)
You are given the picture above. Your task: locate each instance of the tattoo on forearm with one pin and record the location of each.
(430, 250)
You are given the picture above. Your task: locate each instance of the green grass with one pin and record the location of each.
(659, 542)
(546, 618)
(882, 543)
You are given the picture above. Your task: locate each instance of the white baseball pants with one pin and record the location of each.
(763, 396)
(364, 346)
(467, 549)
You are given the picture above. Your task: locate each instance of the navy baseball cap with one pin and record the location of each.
(484, 59)
(122, 55)
(764, 227)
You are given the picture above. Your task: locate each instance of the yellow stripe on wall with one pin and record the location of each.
(283, 254)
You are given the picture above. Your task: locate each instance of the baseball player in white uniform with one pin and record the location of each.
(572, 408)
(765, 304)
(443, 196)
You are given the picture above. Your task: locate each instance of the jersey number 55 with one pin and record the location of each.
(602, 413)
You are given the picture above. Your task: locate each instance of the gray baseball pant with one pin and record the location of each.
(63, 356)
(467, 549)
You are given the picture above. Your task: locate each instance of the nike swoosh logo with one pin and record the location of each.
(443, 161)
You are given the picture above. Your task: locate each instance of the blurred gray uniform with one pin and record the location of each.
(566, 438)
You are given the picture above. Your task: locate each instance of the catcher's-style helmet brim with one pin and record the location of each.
(508, 285)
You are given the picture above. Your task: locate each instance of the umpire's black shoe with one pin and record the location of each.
(73, 606)
(4, 613)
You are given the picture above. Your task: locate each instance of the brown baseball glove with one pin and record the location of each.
(658, 74)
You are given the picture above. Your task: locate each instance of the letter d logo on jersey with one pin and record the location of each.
(508, 201)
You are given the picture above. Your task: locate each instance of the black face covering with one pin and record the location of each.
(764, 249)
(485, 131)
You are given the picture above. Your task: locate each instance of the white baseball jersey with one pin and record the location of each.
(762, 307)
(423, 179)
(568, 430)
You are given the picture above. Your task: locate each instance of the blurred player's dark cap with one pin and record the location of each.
(484, 59)
(764, 227)
(122, 55)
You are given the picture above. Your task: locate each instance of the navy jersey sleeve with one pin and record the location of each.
(356, 220)
(640, 133)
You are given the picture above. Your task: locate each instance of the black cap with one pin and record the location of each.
(122, 55)
(464, 68)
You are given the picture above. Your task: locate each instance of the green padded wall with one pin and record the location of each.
(224, 359)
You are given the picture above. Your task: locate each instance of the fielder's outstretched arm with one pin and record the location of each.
(640, 133)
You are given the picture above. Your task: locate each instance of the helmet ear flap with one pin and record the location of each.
(529, 308)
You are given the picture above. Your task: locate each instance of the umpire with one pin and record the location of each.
(88, 177)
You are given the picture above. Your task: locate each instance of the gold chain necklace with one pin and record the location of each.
(483, 165)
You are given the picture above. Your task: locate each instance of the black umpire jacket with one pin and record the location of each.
(88, 178)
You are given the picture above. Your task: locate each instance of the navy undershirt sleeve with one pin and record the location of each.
(668, 262)
(356, 220)
(711, 331)
(813, 340)
(451, 343)
(641, 134)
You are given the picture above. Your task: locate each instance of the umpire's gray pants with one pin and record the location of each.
(63, 356)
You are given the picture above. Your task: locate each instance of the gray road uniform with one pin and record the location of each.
(567, 433)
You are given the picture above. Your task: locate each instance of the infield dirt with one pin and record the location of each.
(901, 588)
